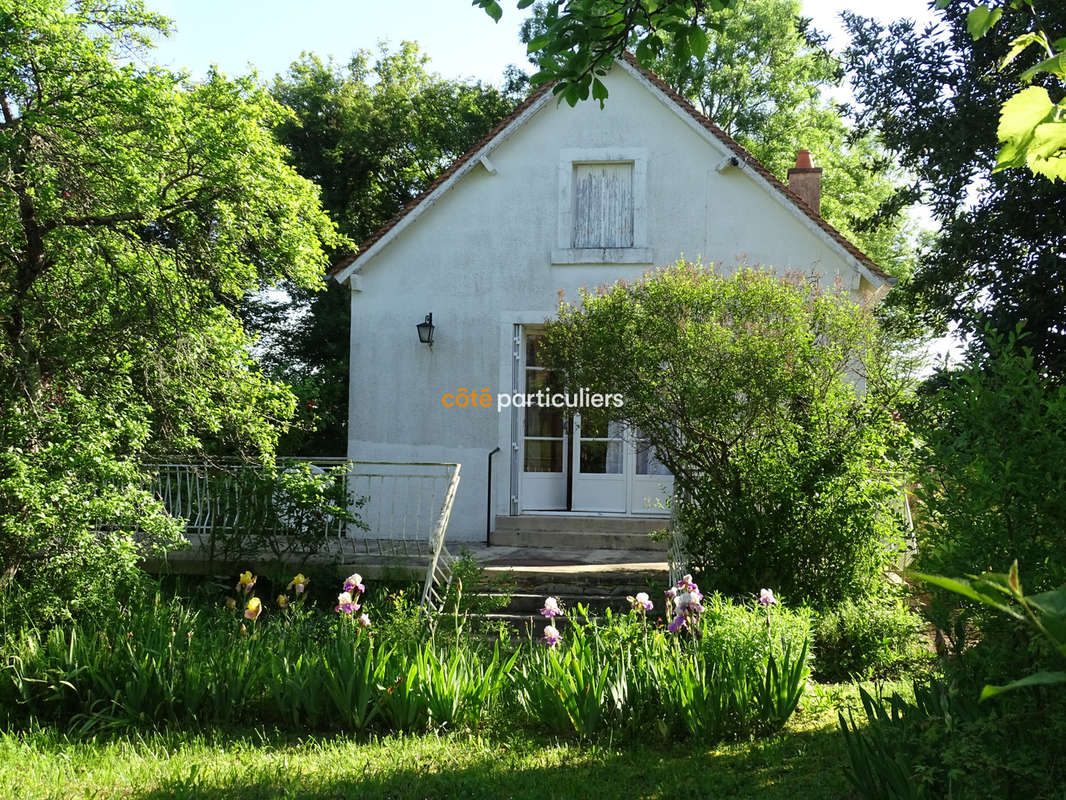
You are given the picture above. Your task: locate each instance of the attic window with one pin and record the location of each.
(602, 206)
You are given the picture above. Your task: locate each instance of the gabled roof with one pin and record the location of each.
(344, 267)
(535, 99)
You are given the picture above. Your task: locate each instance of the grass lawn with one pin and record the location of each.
(805, 761)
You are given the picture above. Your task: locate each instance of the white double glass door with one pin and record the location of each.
(545, 442)
(581, 460)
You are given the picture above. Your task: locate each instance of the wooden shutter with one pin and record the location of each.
(603, 206)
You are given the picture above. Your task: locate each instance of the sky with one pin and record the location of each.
(461, 40)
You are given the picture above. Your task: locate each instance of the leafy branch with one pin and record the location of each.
(1032, 126)
(583, 37)
(1046, 612)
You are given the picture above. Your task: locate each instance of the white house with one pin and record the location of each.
(555, 198)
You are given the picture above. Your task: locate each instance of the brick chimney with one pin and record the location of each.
(805, 179)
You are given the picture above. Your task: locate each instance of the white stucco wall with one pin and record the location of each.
(479, 259)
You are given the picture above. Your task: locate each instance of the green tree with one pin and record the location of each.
(581, 38)
(1032, 126)
(372, 135)
(136, 210)
(763, 79)
(933, 96)
(992, 490)
(745, 385)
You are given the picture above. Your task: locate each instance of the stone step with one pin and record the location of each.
(575, 539)
(580, 572)
(567, 523)
(586, 580)
(525, 624)
(532, 603)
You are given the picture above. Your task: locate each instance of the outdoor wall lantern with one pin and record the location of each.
(425, 330)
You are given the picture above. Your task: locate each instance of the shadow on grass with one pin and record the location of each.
(796, 766)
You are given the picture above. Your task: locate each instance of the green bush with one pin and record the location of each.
(746, 386)
(878, 637)
(993, 488)
(751, 633)
(943, 744)
(75, 518)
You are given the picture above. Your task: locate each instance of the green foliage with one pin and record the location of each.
(160, 663)
(991, 492)
(933, 96)
(581, 38)
(736, 674)
(350, 673)
(576, 689)
(1044, 612)
(284, 513)
(876, 637)
(1032, 127)
(1033, 131)
(744, 386)
(739, 631)
(74, 520)
(944, 745)
(494, 588)
(136, 210)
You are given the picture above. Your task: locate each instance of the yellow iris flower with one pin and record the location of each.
(253, 609)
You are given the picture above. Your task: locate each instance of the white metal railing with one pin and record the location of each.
(406, 508)
(676, 556)
(439, 571)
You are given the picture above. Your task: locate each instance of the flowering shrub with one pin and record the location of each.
(641, 603)
(551, 608)
(164, 662)
(688, 604)
(551, 636)
(621, 672)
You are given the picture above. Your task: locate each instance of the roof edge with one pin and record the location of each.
(875, 274)
(344, 267)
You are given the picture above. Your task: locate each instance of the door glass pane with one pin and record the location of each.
(544, 421)
(543, 455)
(601, 458)
(647, 463)
(532, 343)
(538, 380)
(595, 425)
